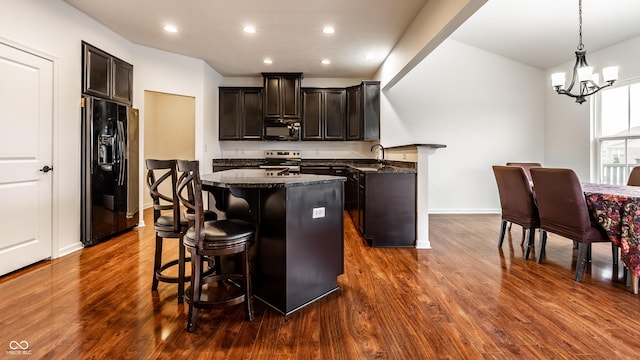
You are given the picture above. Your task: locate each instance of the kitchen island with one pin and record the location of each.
(299, 248)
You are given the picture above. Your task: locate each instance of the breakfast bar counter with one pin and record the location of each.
(299, 249)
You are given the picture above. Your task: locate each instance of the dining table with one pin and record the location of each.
(617, 209)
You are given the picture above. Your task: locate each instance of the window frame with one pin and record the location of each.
(596, 111)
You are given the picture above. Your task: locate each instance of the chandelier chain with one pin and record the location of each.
(580, 45)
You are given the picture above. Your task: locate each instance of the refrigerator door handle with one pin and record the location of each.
(121, 154)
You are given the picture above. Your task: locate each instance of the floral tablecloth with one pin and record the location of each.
(617, 210)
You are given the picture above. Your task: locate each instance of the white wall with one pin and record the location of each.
(485, 108)
(55, 29)
(568, 125)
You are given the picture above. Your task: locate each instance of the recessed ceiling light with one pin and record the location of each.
(170, 28)
(326, 61)
(249, 29)
(328, 30)
(267, 61)
(369, 56)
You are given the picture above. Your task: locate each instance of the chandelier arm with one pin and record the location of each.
(594, 90)
(575, 75)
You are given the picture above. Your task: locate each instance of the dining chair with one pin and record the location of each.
(211, 241)
(517, 203)
(526, 166)
(563, 211)
(168, 222)
(634, 177)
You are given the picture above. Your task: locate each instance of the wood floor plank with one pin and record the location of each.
(463, 299)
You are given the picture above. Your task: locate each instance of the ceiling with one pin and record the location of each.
(540, 33)
(544, 33)
(287, 31)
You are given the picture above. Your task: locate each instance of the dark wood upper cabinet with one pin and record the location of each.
(282, 95)
(354, 124)
(324, 114)
(253, 114)
(106, 76)
(122, 81)
(363, 111)
(312, 114)
(240, 113)
(97, 72)
(334, 114)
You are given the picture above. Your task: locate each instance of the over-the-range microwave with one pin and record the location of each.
(282, 129)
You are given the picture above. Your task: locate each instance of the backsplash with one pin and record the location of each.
(309, 149)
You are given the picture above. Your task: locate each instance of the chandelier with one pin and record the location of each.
(583, 76)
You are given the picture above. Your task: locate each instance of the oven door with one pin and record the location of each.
(281, 130)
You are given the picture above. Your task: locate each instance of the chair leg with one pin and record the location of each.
(157, 263)
(543, 246)
(583, 254)
(530, 242)
(510, 224)
(218, 268)
(196, 290)
(181, 271)
(503, 229)
(248, 298)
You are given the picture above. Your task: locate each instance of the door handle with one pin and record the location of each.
(46, 169)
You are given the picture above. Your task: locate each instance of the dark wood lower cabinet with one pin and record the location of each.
(383, 207)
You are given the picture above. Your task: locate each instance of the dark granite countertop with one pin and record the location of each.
(435, 146)
(367, 165)
(260, 178)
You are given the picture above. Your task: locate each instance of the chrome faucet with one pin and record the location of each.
(381, 150)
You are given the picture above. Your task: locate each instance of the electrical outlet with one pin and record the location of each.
(318, 212)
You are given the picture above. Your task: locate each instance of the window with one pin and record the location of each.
(618, 131)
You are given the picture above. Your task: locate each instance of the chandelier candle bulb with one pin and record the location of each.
(558, 80)
(585, 73)
(610, 73)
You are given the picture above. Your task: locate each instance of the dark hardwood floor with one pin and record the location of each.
(463, 299)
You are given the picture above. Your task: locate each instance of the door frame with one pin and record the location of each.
(55, 225)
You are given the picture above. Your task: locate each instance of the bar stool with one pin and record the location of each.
(209, 240)
(168, 222)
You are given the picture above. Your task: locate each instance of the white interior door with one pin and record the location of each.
(26, 117)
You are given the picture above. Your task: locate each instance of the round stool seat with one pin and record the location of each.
(221, 234)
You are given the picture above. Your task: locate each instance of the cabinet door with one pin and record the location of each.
(354, 117)
(312, 114)
(229, 115)
(272, 96)
(97, 72)
(362, 195)
(334, 114)
(371, 110)
(252, 114)
(290, 97)
(122, 81)
(316, 170)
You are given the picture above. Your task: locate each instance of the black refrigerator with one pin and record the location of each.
(109, 169)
